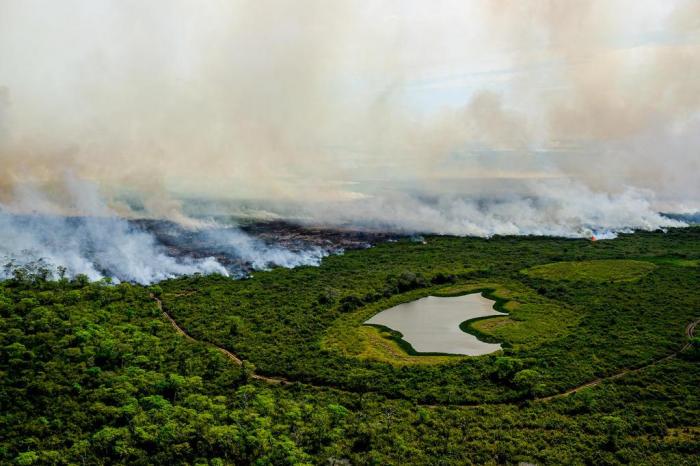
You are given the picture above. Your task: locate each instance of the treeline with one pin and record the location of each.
(394, 284)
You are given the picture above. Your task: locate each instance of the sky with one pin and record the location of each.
(361, 106)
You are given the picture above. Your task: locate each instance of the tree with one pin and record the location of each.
(27, 458)
(507, 366)
(615, 428)
(527, 379)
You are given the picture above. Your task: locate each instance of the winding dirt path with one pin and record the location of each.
(238, 361)
(689, 332)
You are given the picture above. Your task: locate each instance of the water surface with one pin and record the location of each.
(431, 324)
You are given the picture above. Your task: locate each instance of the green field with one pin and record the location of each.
(619, 270)
(94, 374)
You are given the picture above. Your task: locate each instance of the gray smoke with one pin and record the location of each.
(240, 100)
(557, 207)
(98, 243)
(259, 254)
(583, 115)
(94, 246)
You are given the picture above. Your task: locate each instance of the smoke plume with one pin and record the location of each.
(485, 117)
(98, 243)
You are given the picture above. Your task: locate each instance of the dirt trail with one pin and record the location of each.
(238, 361)
(689, 332)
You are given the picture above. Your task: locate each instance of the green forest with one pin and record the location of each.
(600, 362)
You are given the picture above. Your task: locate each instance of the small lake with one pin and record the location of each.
(431, 324)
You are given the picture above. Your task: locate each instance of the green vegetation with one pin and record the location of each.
(350, 338)
(93, 373)
(303, 323)
(532, 320)
(675, 261)
(385, 345)
(596, 270)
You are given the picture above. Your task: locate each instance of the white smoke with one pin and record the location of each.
(260, 255)
(96, 242)
(557, 207)
(357, 118)
(94, 246)
(176, 95)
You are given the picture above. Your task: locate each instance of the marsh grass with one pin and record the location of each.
(673, 261)
(619, 270)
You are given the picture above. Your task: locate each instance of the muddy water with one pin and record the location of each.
(431, 325)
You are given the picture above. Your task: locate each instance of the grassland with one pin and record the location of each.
(675, 261)
(532, 320)
(382, 345)
(620, 270)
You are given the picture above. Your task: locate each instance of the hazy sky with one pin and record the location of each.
(334, 100)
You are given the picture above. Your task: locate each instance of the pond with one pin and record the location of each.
(431, 324)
